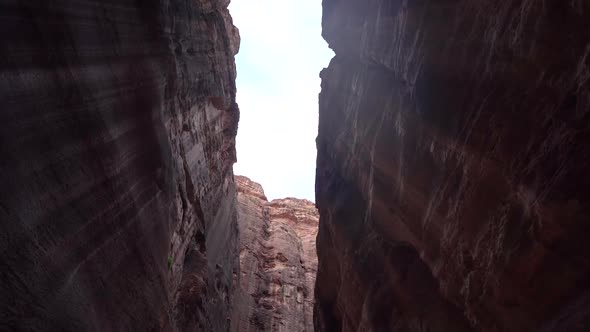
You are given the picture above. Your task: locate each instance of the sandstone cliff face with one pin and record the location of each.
(117, 206)
(453, 153)
(277, 262)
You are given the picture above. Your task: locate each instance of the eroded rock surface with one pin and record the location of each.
(117, 206)
(452, 170)
(277, 261)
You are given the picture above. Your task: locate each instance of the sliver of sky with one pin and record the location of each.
(281, 55)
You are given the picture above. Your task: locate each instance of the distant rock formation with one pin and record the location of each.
(277, 262)
(117, 208)
(452, 169)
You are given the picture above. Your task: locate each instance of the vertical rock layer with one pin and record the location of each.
(453, 153)
(277, 262)
(117, 207)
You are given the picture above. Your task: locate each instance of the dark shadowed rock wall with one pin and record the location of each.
(277, 262)
(117, 142)
(452, 171)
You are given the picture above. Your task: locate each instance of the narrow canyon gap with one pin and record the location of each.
(452, 171)
(451, 177)
(281, 55)
(119, 209)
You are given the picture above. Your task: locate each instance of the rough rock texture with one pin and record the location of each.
(117, 208)
(277, 262)
(452, 170)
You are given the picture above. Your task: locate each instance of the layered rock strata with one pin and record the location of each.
(277, 262)
(117, 206)
(453, 151)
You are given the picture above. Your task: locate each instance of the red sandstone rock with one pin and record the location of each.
(277, 261)
(452, 170)
(117, 208)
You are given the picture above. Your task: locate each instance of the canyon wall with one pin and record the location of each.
(117, 208)
(452, 171)
(277, 262)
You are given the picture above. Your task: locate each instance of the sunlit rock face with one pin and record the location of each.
(452, 171)
(277, 262)
(117, 131)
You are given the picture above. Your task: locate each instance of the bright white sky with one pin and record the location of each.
(281, 55)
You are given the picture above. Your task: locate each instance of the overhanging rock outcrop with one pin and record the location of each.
(452, 171)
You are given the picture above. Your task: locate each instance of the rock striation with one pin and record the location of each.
(277, 262)
(453, 151)
(117, 208)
